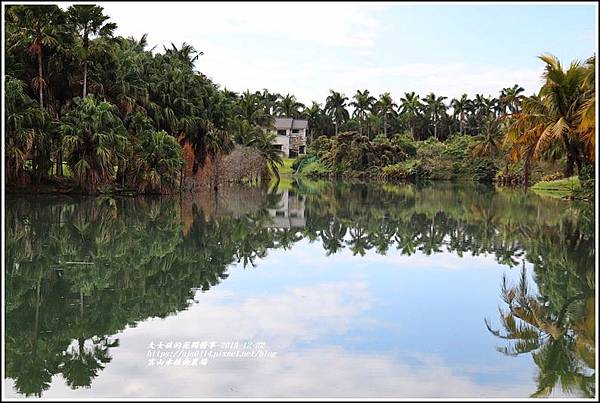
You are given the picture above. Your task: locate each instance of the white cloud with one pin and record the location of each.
(353, 25)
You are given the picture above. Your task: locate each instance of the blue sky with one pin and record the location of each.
(308, 48)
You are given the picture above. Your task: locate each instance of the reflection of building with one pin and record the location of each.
(291, 135)
(290, 211)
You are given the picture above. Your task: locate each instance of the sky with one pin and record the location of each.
(306, 49)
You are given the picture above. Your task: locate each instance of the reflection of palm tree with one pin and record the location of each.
(332, 237)
(359, 241)
(81, 364)
(551, 337)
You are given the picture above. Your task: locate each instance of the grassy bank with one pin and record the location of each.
(561, 188)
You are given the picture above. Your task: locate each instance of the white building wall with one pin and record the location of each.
(285, 144)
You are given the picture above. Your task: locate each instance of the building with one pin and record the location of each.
(291, 135)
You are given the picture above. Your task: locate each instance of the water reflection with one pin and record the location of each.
(80, 271)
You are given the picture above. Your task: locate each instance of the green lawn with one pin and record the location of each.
(558, 188)
(286, 168)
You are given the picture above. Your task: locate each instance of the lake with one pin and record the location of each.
(324, 289)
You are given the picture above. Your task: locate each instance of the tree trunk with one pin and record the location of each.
(59, 162)
(579, 164)
(384, 125)
(215, 172)
(570, 165)
(181, 180)
(526, 172)
(360, 126)
(84, 79)
(41, 89)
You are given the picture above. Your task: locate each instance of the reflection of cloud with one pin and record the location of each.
(302, 313)
(323, 372)
(285, 321)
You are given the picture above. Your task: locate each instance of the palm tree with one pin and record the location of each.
(313, 115)
(217, 142)
(288, 106)
(490, 142)
(186, 53)
(553, 116)
(385, 108)
(510, 99)
(249, 108)
(89, 20)
(95, 136)
(36, 28)
(411, 107)
(524, 133)
(460, 108)
(586, 123)
(436, 108)
(161, 158)
(265, 143)
(268, 100)
(335, 106)
(24, 121)
(363, 102)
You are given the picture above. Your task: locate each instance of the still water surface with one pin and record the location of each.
(323, 290)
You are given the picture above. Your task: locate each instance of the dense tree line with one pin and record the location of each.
(555, 124)
(112, 109)
(118, 112)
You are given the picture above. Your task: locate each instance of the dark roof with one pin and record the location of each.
(289, 123)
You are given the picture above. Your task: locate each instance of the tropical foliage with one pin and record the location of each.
(56, 58)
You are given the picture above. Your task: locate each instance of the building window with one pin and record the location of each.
(295, 131)
(281, 132)
(278, 146)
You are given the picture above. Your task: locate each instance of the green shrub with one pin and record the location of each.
(395, 172)
(484, 170)
(319, 146)
(406, 144)
(587, 172)
(315, 169)
(420, 171)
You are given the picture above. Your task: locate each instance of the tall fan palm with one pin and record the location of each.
(89, 21)
(24, 119)
(385, 108)
(363, 103)
(335, 106)
(411, 107)
(37, 28)
(95, 136)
